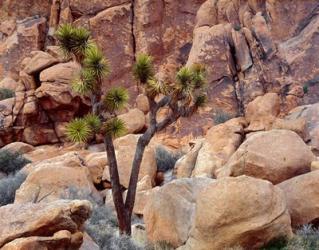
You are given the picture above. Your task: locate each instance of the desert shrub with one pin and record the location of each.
(8, 187)
(221, 116)
(6, 93)
(306, 238)
(102, 225)
(237, 27)
(11, 162)
(165, 159)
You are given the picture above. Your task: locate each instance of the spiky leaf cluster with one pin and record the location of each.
(143, 68)
(115, 127)
(93, 122)
(155, 87)
(115, 99)
(190, 85)
(73, 40)
(95, 64)
(78, 130)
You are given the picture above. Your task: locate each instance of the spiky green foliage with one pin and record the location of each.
(201, 100)
(116, 98)
(78, 130)
(93, 121)
(198, 75)
(154, 88)
(82, 86)
(184, 83)
(143, 68)
(6, 93)
(73, 40)
(115, 127)
(95, 63)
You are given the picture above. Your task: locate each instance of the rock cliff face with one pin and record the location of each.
(248, 47)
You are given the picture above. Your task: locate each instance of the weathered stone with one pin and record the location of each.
(302, 197)
(96, 162)
(134, 120)
(276, 155)
(309, 114)
(29, 36)
(61, 73)
(60, 240)
(54, 179)
(218, 148)
(262, 112)
(18, 147)
(142, 103)
(185, 165)
(258, 213)
(39, 62)
(114, 24)
(169, 212)
(42, 219)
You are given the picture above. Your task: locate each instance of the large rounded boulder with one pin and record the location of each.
(169, 212)
(302, 195)
(275, 155)
(241, 211)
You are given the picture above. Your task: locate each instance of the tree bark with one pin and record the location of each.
(124, 219)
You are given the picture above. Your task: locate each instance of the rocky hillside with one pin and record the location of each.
(242, 173)
(248, 47)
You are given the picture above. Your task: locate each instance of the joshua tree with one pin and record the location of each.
(183, 97)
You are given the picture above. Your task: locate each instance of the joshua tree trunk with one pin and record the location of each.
(122, 216)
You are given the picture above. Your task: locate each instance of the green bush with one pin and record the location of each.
(8, 187)
(6, 93)
(165, 159)
(11, 162)
(102, 225)
(306, 238)
(221, 116)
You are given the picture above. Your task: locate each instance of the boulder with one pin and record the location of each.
(218, 148)
(125, 150)
(143, 192)
(134, 120)
(60, 240)
(302, 195)
(84, 7)
(18, 147)
(185, 165)
(142, 103)
(309, 114)
(28, 35)
(262, 112)
(40, 60)
(241, 211)
(275, 155)
(42, 219)
(169, 212)
(39, 134)
(212, 49)
(54, 179)
(96, 162)
(61, 73)
(55, 95)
